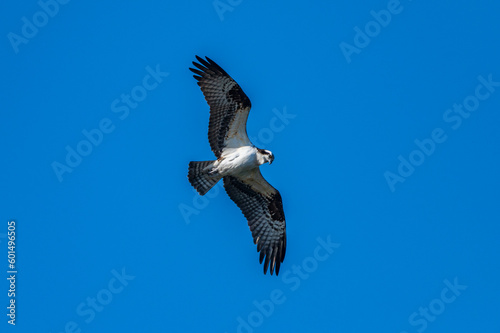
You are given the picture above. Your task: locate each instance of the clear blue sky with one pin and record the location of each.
(383, 118)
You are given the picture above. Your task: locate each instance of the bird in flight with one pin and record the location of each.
(238, 162)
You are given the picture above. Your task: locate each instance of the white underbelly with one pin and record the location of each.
(237, 160)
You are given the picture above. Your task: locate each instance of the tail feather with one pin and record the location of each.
(200, 177)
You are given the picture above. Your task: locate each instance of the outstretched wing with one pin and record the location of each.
(262, 206)
(229, 106)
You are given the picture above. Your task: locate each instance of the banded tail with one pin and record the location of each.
(200, 176)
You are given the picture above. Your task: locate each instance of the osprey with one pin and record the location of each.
(238, 162)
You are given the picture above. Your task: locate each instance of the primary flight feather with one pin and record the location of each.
(238, 162)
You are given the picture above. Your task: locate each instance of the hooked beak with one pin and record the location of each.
(271, 160)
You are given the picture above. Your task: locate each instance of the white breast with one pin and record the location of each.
(237, 160)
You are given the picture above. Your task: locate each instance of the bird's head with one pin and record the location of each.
(268, 156)
(264, 156)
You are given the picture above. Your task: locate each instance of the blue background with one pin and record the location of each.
(128, 204)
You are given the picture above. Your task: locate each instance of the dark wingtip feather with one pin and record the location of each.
(283, 247)
(203, 62)
(203, 68)
(210, 60)
(273, 259)
(261, 257)
(209, 66)
(278, 265)
(214, 64)
(198, 58)
(272, 265)
(269, 254)
(196, 71)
